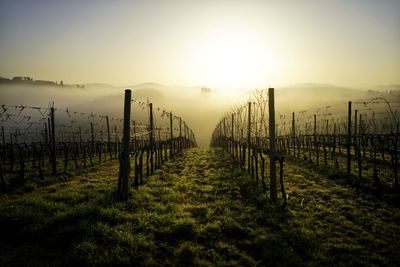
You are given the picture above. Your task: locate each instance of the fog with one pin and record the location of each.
(200, 109)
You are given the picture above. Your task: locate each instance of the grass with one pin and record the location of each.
(384, 165)
(14, 185)
(197, 211)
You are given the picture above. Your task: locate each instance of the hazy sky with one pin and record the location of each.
(212, 43)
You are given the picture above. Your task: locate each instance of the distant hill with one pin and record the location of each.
(95, 85)
(25, 80)
(147, 85)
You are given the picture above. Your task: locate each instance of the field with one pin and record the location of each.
(198, 209)
(200, 133)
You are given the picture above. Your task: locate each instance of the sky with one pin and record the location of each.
(227, 44)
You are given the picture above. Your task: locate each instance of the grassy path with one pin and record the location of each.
(196, 211)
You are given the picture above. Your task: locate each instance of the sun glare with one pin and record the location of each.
(231, 58)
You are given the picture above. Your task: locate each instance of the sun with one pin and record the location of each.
(230, 58)
(230, 64)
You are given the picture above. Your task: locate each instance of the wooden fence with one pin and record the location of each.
(243, 134)
(38, 143)
(154, 151)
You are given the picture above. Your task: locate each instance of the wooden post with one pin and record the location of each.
(116, 141)
(92, 138)
(3, 155)
(396, 157)
(180, 134)
(108, 138)
(184, 132)
(249, 136)
(50, 138)
(233, 136)
(334, 157)
(53, 144)
(225, 144)
(355, 131)
(151, 129)
(170, 135)
(123, 181)
(293, 136)
(49, 129)
(11, 153)
(151, 137)
(80, 138)
(272, 166)
(3, 136)
(186, 136)
(356, 143)
(315, 138)
(349, 140)
(160, 155)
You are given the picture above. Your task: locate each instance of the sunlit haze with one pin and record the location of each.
(199, 132)
(235, 44)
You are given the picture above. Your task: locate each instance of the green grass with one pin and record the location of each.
(14, 185)
(196, 211)
(384, 166)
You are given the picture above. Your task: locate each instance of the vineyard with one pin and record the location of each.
(43, 144)
(357, 140)
(311, 188)
(200, 133)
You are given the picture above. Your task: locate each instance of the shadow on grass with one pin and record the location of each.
(195, 211)
(364, 185)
